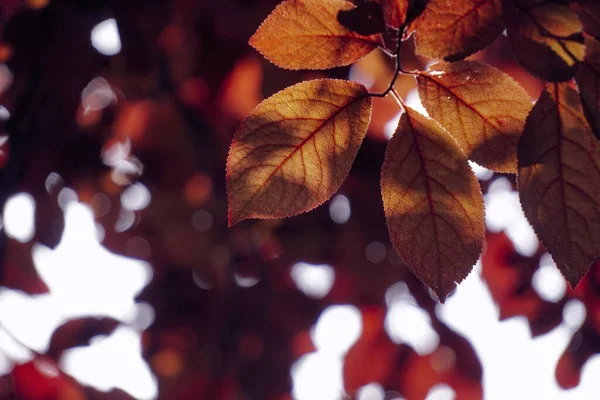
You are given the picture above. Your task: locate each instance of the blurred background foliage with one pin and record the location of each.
(135, 124)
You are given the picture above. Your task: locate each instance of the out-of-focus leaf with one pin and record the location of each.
(79, 332)
(588, 80)
(432, 202)
(559, 171)
(508, 276)
(582, 346)
(588, 12)
(481, 106)
(373, 357)
(295, 149)
(305, 34)
(546, 38)
(42, 379)
(18, 270)
(455, 29)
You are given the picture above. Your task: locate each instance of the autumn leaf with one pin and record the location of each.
(432, 202)
(588, 80)
(546, 39)
(481, 106)
(455, 29)
(295, 149)
(305, 34)
(559, 171)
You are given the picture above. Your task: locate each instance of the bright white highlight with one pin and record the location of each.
(471, 312)
(317, 376)
(414, 101)
(112, 362)
(574, 314)
(441, 391)
(105, 37)
(503, 212)
(482, 173)
(313, 280)
(406, 322)
(390, 127)
(339, 209)
(19, 217)
(337, 328)
(136, 197)
(547, 281)
(372, 391)
(84, 280)
(97, 95)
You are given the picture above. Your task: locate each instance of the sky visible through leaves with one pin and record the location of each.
(299, 199)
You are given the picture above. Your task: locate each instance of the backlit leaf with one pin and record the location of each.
(305, 34)
(432, 202)
(588, 12)
(481, 106)
(588, 80)
(559, 175)
(295, 149)
(546, 39)
(455, 29)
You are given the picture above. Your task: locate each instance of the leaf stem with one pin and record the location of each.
(397, 98)
(398, 68)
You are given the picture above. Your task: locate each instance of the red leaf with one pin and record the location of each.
(483, 108)
(305, 34)
(295, 149)
(559, 171)
(455, 29)
(432, 202)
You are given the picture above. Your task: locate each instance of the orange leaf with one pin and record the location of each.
(559, 175)
(482, 107)
(305, 34)
(588, 80)
(295, 149)
(455, 29)
(432, 202)
(546, 39)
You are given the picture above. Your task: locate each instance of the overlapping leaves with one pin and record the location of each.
(306, 34)
(559, 172)
(483, 108)
(295, 149)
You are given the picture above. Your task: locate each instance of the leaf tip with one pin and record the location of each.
(572, 276)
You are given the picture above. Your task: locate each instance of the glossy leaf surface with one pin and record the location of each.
(306, 34)
(559, 171)
(481, 106)
(455, 29)
(432, 202)
(295, 149)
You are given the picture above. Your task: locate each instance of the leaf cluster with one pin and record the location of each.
(294, 150)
